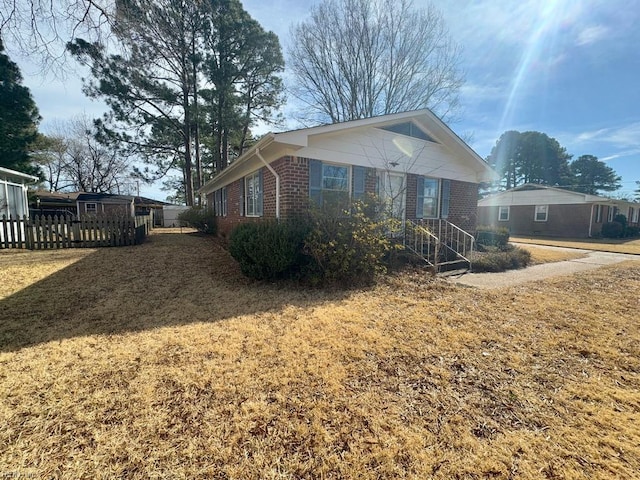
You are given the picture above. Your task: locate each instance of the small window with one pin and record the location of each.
(503, 214)
(91, 207)
(542, 212)
(221, 202)
(611, 214)
(253, 192)
(409, 129)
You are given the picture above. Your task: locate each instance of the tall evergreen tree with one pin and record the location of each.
(18, 118)
(530, 157)
(590, 175)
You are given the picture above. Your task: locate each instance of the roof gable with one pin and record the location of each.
(311, 142)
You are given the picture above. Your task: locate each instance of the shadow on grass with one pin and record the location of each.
(171, 280)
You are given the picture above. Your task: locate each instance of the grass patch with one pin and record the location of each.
(600, 244)
(161, 360)
(541, 255)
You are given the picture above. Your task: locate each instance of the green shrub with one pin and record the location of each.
(612, 230)
(621, 218)
(501, 260)
(489, 236)
(632, 232)
(269, 250)
(200, 218)
(348, 249)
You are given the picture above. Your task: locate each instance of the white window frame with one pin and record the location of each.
(437, 197)
(501, 210)
(95, 207)
(610, 213)
(537, 209)
(348, 178)
(220, 202)
(252, 200)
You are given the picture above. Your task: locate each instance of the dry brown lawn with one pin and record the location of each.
(626, 245)
(161, 361)
(546, 255)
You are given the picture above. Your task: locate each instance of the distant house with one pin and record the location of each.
(82, 204)
(13, 193)
(411, 160)
(539, 210)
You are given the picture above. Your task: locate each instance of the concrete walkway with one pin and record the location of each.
(591, 261)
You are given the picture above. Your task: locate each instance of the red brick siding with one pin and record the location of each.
(294, 195)
(463, 205)
(463, 202)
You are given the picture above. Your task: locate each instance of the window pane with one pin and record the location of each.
(430, 208)
(335, 178)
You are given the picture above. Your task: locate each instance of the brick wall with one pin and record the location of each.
(463, 205)
(294, 195)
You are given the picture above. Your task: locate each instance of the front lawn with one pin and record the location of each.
(161, 361)
(624, 245)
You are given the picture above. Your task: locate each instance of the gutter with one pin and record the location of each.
(259, 155)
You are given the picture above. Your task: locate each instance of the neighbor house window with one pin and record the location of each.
(328, 184)
(428, 194)
(253, 192)
(91, 207)
(503, 214)
(542, 212)
(612, 213)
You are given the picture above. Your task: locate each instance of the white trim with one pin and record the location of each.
(535, 213)
(500, 219)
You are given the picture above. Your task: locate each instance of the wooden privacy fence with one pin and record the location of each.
(44, 232)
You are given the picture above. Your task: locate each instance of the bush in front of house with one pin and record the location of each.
(489, 236)
(200, 218)
(349, 249)
(325, 248)
(499, 260)
(612, 230)
(270, 250)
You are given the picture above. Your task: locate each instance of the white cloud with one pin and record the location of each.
(627, 136)
(591, 35)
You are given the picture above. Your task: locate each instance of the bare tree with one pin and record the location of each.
(73, 159)
(360, 58)
(40, 29)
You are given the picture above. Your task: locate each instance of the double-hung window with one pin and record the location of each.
(329, 184)
(541, 213)
(221, 202)
(254, 194)
(503, 214)
(429, 197)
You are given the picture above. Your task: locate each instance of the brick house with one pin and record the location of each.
(411, 160)
(539, 210)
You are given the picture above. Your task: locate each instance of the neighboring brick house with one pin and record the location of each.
(411, 160)
(539, 210)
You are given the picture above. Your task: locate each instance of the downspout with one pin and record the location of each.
(259, 155)
(590, 220)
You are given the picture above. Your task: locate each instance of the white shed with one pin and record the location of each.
(170, 213)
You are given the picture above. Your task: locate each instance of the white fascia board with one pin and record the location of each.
(14, 174)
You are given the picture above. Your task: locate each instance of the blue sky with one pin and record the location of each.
(568, 68)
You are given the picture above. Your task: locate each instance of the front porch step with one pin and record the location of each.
(453, 273)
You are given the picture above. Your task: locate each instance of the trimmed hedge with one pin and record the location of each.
(488, 236)
(501, 260)
(269, 250)
(200, 218)
(612, 230)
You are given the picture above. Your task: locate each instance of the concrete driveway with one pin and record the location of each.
(591, 261)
